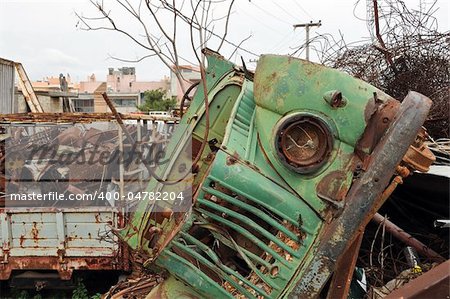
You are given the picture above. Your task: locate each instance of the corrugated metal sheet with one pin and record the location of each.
(7, 72)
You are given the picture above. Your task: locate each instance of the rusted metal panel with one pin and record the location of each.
(259, 227)
(7, 73)
(432, 284)
(35, 238)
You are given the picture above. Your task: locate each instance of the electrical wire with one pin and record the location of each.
(286, 11)
(270, 14)
(302, 9)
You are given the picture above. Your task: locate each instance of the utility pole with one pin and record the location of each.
(307, 26)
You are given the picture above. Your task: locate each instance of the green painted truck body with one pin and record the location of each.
(256, 224)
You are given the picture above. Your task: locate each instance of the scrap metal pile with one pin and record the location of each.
(292, 163)
(273, 213)
(280, 197)
(87, 157)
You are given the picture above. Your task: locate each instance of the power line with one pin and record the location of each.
(190, 22)
(286, 11)
(270, 14)
(263, 24)
(302, 9)
(281, 42)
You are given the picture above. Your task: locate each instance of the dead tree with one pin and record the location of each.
(160, 26)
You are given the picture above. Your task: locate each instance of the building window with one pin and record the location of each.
(83, 105)
(125, 103)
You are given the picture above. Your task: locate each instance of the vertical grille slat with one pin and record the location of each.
(255, 200)
(256, 259)
(241, 125)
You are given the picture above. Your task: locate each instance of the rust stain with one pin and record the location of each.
(53, 263)
(333, 185)
(232, 159)
(35, 232)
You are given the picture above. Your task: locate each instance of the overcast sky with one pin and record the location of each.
(43, 34)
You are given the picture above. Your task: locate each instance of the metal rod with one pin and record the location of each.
(117, 116)
(406, 238)
(342, 278)
(121, 166)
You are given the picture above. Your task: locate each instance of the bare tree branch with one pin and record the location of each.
(131, 60)
(226, 26)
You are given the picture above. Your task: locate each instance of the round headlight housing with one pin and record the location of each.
(303, 143)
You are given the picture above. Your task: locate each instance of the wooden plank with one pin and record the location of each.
(92, 251)
(34, 230)
(31, 217)
(99, 102)
(89, 217)
(27, 89)
(88, 244)
(87, 230)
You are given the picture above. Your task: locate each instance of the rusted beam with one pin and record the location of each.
(117, 117)
(75, 117)
(406, 238)
(53, 263)
(342, 278)
(432, 284)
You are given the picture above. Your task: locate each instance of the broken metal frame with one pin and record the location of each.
(340, 285)
(230, 176)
